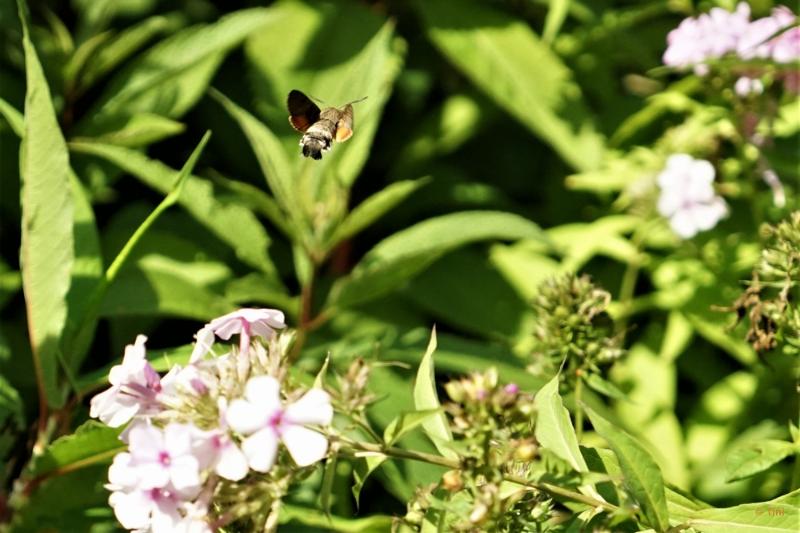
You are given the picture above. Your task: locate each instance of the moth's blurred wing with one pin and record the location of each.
(302, 111)
(344, 126)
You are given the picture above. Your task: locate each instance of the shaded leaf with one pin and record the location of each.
(93, 442)
(231, 223)
(504, 58)
(47, 221)
(397, 258)
(642, 476)
(756, 457)
(780, 515)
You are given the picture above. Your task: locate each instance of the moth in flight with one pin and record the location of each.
(319, 127)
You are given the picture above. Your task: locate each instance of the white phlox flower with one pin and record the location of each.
(687, 196)
(135, 387)
(261, 417)
(164, 458)
(244, 322)
(216, 450)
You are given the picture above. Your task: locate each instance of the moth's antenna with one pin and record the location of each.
(318, 100)
(357, 101)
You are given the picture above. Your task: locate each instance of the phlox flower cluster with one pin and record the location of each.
(222, 418)
(720, 32)
(687, 196)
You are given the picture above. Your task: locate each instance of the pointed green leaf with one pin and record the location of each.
(375, 207)
(171, 76)
(504, 58)
(47, 220)
(269, 153)
(781, 515)
(406, 422)
(426, 399)
(362, 471)
(231, 223)
(643, 478)
(756, 457)
(91, 443)
(554, 430)
(399, 257)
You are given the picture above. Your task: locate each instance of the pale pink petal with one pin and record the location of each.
(205, 339)
(131, 509)
(121, 474)
(314, 407)
(184, 471)
(152, 475)
(146, 443)
(683, 225)
(232, 463)
(264, 392)
(245, 418)
(261, 448)
(306, 446)
(178, 439)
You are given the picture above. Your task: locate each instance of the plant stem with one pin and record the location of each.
(579, 407)
(400, 453)
(629, 278)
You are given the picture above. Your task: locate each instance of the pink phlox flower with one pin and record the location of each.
(244, 322)
(709, 36)
(155, 510)
(261, 416)
(687, 195)
(756, 42)
(163, 459)
(216, 450)
(190, 379)
(135, 386)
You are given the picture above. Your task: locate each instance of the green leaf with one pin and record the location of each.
(311, 517)
(494, 312)
(303, 48)
(554, 430)
(231, 223)
(756, 457)
(604, 387)
(93, 442)
(12, 417)
(269, 153)
(580, 242)
(504, 58)
(642, 476)
(426, 399)
(170, 77)
(555, 18)
(136, 130)
(362, 470)
(328, 479)
(780, 515)
(118, 48)
(156, 289)
(375, 207)
(406, 422)
(47, 220)
(87, 268)
(399, 257)
(13, 117)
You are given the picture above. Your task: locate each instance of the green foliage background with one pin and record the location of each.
(494, 139)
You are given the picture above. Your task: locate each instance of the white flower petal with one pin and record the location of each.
(205, 339)
(305, 445)
(261, 448)
(683, 225)
(178, 439)
(184, 472)
(314, 407)
(264, 392)
(132, 509)
(145, 443)
(232, 463)
(152, 475)
(121, 474)
(245, 418)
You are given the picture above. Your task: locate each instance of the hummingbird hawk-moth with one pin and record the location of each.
(319, 127)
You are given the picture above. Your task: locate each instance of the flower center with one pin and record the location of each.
(164, 458)
(276, 421)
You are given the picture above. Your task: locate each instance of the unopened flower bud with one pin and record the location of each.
(526, 451)
(451, 480)
(479, 513)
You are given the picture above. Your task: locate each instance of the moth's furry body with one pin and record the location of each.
(320, 127)
(319, 136)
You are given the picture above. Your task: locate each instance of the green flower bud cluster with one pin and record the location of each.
(492, 426)
(771, 302)
(572, 327)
